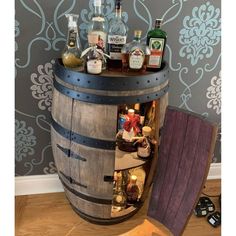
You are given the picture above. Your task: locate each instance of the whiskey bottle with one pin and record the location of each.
(117, 35)
(132, 190)
(144, 147)
(119, 196)
(140, 173)
(71, 55)
(135, 55)
(156, 40)
(98, 25)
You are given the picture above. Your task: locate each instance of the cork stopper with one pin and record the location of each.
(131, 111)
(146, 131)
(92, 39)
(137, 106)
(137, 33)
(158, 23)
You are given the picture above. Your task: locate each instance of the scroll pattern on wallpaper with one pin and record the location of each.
(200, 33)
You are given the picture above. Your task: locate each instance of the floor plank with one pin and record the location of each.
(51, 215)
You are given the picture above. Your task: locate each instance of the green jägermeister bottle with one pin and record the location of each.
(156, 40)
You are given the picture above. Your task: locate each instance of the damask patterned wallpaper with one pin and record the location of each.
(193, 52)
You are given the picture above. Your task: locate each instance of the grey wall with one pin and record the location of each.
(193, 52)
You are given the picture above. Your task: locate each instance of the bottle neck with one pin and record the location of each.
(137, 39)
(93, 45)
(118, 12)
(158, 25)
(119, 185)
(72, 37)
(97, 10)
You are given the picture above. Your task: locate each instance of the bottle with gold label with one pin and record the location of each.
(71, 55)
(132, 190)
(156, 40)
(119, 201)
(135, 55)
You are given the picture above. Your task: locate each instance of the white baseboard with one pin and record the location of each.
(38, 184)
(215, 171)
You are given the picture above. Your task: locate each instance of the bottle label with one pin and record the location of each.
(136, 59)
(102, 39)
(94, 66)
(119, 199)
(143, 151)
(115, 44)
(156, 46)
(72, 38)
(98, 18)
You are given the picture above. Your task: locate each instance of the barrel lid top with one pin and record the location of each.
(108, 80)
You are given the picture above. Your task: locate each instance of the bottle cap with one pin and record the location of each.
(132, 111)
(97, 3)
(159, 21)
(138, 33)
(133, 178)
(72, 20)
(118, 4)
(146, 131)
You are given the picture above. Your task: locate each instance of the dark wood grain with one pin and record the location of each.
(185, 154)
(184, 171)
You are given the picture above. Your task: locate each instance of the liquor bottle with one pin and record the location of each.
(140, 173)
(135, 55)
(125, 178)
(150, 117)
(117, 35)
(71, 55)
(123, 110)
(94, 57)
(132, 190)
(144, 147)
(119, 196)
(156, 40)
(98, 25)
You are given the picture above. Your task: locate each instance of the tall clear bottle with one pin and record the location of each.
(156, 40)
(119, 196)
(117, 36)
(98, 25)
(71, 55)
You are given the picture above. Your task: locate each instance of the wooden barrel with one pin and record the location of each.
(83, 133)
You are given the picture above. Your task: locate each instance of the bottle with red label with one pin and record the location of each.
(156, 40)
(94, 57)
(135, 55)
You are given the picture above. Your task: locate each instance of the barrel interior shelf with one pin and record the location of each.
(105, 137)
(127, 160)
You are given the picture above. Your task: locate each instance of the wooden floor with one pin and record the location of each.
(51, 215)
